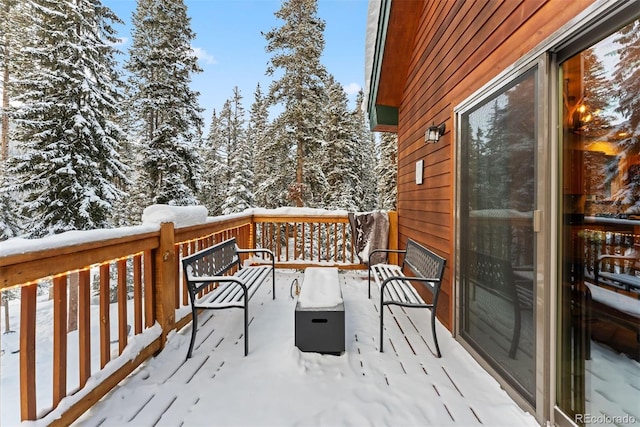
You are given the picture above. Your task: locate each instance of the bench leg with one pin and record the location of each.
(246, 324)
(194, 329)
(433, 330)
(273, 281)
(381, 322)
(517, 324)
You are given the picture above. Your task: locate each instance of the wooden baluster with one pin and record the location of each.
(122, 305)
(327, 235)
(59, 339)
(272, 239)
(344, 243)
(286, 240)
(84, 325)
(295, 240)
(277, 247)
(264, 231)
(137, 294)
(319, 241)
(28, 352)
(310, 242)
(260, 234)
(105, 332)
(303, 242)
(187, 249)
(149, 315)
(335, 241)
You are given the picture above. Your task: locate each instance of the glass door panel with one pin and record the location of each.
(599, 297)
(497, 202)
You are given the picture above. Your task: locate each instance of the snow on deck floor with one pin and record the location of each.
(276, 384)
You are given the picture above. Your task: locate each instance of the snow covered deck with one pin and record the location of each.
(276, 384)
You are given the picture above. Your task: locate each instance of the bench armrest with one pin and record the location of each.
(264, 251)
(397, 251)
(208, 279)
(246, 251)
(386, 251)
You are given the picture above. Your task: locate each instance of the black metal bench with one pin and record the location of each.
(396, 288)
(617, 271)
(207, 268)
(496, 276)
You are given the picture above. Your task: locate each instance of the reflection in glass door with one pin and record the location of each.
(599, 297)
(497, 202)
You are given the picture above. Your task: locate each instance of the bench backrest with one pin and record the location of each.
(424, 263)
(213, 261)
(493, 274)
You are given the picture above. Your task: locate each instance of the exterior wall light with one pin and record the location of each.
(434, 133)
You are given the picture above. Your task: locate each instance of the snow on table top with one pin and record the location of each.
(320, 288)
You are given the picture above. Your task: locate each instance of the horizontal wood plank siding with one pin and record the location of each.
(459, 46)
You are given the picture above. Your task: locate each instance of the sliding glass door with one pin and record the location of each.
(497, 200)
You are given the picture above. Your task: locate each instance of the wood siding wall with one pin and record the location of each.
(459, 46)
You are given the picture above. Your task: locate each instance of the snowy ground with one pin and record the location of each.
(10, 366)
(276, 384)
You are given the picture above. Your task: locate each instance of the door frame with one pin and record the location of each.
(542, 199)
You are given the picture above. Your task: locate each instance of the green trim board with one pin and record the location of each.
(383, 115)
(380, 114)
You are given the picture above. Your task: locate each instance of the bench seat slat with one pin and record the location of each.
(407, 293)
(397, 290)
(230, 294)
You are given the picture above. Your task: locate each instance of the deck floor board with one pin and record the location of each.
(171, 391)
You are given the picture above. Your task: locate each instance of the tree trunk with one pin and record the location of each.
(4, 126)
(4, 143)
(297, 193)
(74, 284)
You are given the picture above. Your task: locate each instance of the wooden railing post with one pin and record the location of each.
(164, 283)
(393, 236)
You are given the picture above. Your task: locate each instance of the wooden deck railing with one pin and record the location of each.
(137, 282)
(302, 241)
(608, 236)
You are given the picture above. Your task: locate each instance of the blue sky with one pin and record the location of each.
(231, 47)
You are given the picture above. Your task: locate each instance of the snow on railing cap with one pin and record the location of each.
(180, 216)
(295, 211)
